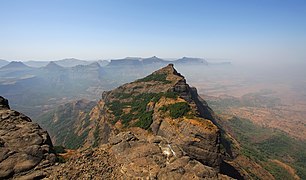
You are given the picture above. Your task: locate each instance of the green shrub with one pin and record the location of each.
(179, 109)
(116, 107)
(172, 95)
(122, 95)
(145, 120)
(126, 118)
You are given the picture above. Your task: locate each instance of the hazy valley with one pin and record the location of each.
(264, 115)
(152, 89)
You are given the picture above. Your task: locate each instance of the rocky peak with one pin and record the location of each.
(4, 103)
(163, 104)
(163, 83)
(169, 70)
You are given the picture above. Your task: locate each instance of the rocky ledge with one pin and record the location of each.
(25, 148)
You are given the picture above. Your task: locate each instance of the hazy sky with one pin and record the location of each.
(244, 30)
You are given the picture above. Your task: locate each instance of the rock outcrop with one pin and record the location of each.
(195, 134)
(25, 148)
(135, 156)
(4, 103)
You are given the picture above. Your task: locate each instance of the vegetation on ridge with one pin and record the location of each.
(155, 77)
(177, 110)
(139, 113)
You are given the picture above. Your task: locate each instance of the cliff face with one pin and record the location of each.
(25, 148)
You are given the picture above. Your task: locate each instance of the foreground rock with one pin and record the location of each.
(25, 148)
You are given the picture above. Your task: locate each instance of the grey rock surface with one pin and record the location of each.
(25, 148)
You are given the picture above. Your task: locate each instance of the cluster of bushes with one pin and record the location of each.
(172, 95)
(138, 105)
(117, 109)
(177, 110)
(122, 95)
(145, 120)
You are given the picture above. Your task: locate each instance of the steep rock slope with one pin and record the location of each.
(154, 127)
(25, 148)
(69, 123)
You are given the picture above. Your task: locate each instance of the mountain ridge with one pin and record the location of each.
(3, 62)
(136, 61)
(158, 116)
(135, 115)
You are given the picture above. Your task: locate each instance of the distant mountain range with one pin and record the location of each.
(3, 62)
(69, 62)
(155, 61)
(56, 81)
(128, 61)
